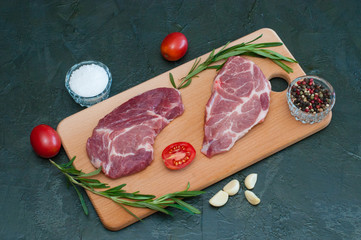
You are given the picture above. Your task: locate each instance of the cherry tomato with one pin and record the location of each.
(45, 141)
(174, 46)
(178, 155)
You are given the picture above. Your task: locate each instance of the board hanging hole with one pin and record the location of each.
(278, 84)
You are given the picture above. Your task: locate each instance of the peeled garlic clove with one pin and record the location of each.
(250, 180)
(219, 199)
(252, 198)
(232, 187)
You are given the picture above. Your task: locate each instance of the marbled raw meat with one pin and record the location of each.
(122, 142)
(240, 99)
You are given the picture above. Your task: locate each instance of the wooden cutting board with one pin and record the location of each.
(278, 131)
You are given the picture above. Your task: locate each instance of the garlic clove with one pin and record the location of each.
(252, 198)
(219, 199)
(232, 187)
(250, 180)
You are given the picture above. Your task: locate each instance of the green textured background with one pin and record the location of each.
(310, 190)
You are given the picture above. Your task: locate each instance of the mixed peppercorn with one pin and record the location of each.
(309, 96)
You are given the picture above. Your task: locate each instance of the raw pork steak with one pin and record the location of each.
(240, 99)
(122, 142)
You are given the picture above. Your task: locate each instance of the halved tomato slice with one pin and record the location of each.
(178, 155)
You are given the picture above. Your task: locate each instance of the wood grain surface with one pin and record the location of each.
(278, 131)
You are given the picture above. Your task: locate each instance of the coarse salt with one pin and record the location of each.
(88, 80)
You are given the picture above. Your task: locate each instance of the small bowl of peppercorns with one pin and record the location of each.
(310, 99)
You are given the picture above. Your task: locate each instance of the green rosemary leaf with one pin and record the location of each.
(188, 186)
(96, 185)
(199, 69)
(280, 56)
(283, 66)
(179, 207)
(211, 55)
(149, 205)
(68, 164)
(88, 180)
(119, 192)
(186, 206)
(230, 54)
(273, 55)
(220, 66)
(72, 171)
(264, 54)
(172, 80)
(267, 44)
(117, 188)
(224, 46)
(181, 194)
(86, 185)
(133, 196)
(195, 64)
(252, 54)
(163, 202)
(254, 39)
(184, 194)
(163, 199)
(189, 81)
(230, 49)
(128, 211)
(96, 172)
(213, 67)
(83, 204)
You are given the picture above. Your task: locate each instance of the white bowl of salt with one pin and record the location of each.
(88, 82)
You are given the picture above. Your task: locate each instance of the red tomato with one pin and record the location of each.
(174, 46)
(45, 141)
(178, 155)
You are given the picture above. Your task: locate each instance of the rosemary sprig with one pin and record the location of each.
(248, 48)
(120, 196)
